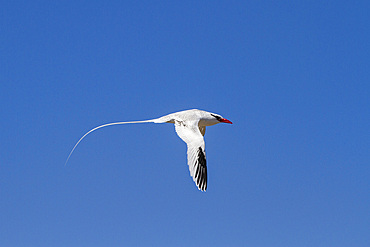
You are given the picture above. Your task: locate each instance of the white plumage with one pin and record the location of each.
(190, 126)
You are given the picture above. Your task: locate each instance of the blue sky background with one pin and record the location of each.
(293, 169)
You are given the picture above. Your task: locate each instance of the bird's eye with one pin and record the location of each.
(217, 117)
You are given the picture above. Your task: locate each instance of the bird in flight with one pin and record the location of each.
(190, 126)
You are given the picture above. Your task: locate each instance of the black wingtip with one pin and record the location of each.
(201, 172)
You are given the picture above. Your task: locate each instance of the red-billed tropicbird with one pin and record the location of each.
(190, 126)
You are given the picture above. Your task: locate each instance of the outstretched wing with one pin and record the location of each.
(190, 133)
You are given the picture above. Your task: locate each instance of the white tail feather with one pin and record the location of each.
(109, 124)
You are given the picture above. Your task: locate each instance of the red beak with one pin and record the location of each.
(224, 120)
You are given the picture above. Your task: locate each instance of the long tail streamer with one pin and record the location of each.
(102, 126)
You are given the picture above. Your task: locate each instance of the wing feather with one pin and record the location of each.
(191, 134)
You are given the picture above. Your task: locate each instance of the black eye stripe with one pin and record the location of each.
(217, 117)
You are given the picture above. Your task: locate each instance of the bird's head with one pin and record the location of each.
(220, 119)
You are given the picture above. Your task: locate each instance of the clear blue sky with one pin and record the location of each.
(293, 169)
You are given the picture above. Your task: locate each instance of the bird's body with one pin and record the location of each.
(190, 126)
